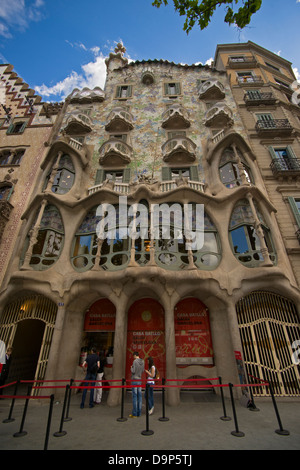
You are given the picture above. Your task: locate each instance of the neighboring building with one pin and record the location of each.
(266, 92)
(167, 135)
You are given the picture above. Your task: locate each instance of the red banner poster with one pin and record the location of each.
(192, 333)
(145, 334)
(101, 316)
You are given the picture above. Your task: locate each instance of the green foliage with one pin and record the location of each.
(201, 12)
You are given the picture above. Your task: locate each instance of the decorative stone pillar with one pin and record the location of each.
(33, 236)
(118, 371)
(53, 172)
(173, 393)
(53, 360)
(260, 233)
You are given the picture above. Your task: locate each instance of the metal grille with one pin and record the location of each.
(33, 307)
(269, 324)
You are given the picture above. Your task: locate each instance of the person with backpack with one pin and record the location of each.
(93, 364)
(151, 374)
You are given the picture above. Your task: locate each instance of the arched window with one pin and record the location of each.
(50, 238)
(112, 248)
(173, 250)
(249, 234)
(230, 167)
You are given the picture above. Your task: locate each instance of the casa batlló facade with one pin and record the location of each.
(161, 135)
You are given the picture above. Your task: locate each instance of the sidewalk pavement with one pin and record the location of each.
(194, 425)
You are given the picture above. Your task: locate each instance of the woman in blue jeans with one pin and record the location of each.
(150, 380)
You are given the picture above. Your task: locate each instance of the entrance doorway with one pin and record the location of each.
(269, 327)
(26, 349)
(146, 334)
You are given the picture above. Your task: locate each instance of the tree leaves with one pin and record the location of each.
(201, 12)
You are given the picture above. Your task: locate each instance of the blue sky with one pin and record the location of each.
(59, 45)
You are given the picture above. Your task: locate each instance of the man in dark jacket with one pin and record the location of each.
(137, 369)
(92, 363)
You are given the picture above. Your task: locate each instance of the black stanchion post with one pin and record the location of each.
(223, 418)
(21, 431)
(67, 417)
(280, 431)
(61, 432)
(10, 419)
(121, 419)
(163, 417)
(147, 431)
(49, 422)
(252, 406)
(237, 432)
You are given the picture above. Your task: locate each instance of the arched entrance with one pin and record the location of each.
(146, 334)
(27, 325)
(269, 325)
(99, 329)
(26, 349)
(192, 333)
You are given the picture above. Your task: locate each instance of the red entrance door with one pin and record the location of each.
(146, 334)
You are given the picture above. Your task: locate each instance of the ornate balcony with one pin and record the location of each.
(274, 126)
(219, 115)
(166, 186)
(211, 89)
(176, 117)
(179, 149)
(119, 120)
(115, 152)
(285, 167)
(256, 98)
(78, 123)
(121, 188)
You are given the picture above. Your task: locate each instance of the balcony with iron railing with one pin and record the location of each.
(241, 62)
(285, 166)
(274, 126)
(179, 149)
(257, 98)
(119, 120)
(115, 151)
(255, 80)
(176, 117)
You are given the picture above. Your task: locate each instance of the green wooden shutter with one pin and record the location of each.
(10, 129)
(194, 173)
(294, 209)
(129, 90)
(118, 92)
(290, 152)
(126, 175)
(177, 88)
(99, 177)
(165, 173)
(166, 88)
(272, 152)
(23, 127)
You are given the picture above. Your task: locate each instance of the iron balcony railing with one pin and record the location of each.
(259, 97)
(285, 165)
(273, 125)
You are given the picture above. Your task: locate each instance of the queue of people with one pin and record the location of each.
(95, 364)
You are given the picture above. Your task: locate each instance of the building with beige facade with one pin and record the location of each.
(162, 144)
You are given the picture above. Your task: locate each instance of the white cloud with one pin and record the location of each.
(295, 69)
(92, 74)
(17, 14)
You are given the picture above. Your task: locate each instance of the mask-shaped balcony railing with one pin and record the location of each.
(78, 123)
(179, 149)
(119, 120)
(211, 89)
(176, 117)
(219, 115)
(115, 151)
